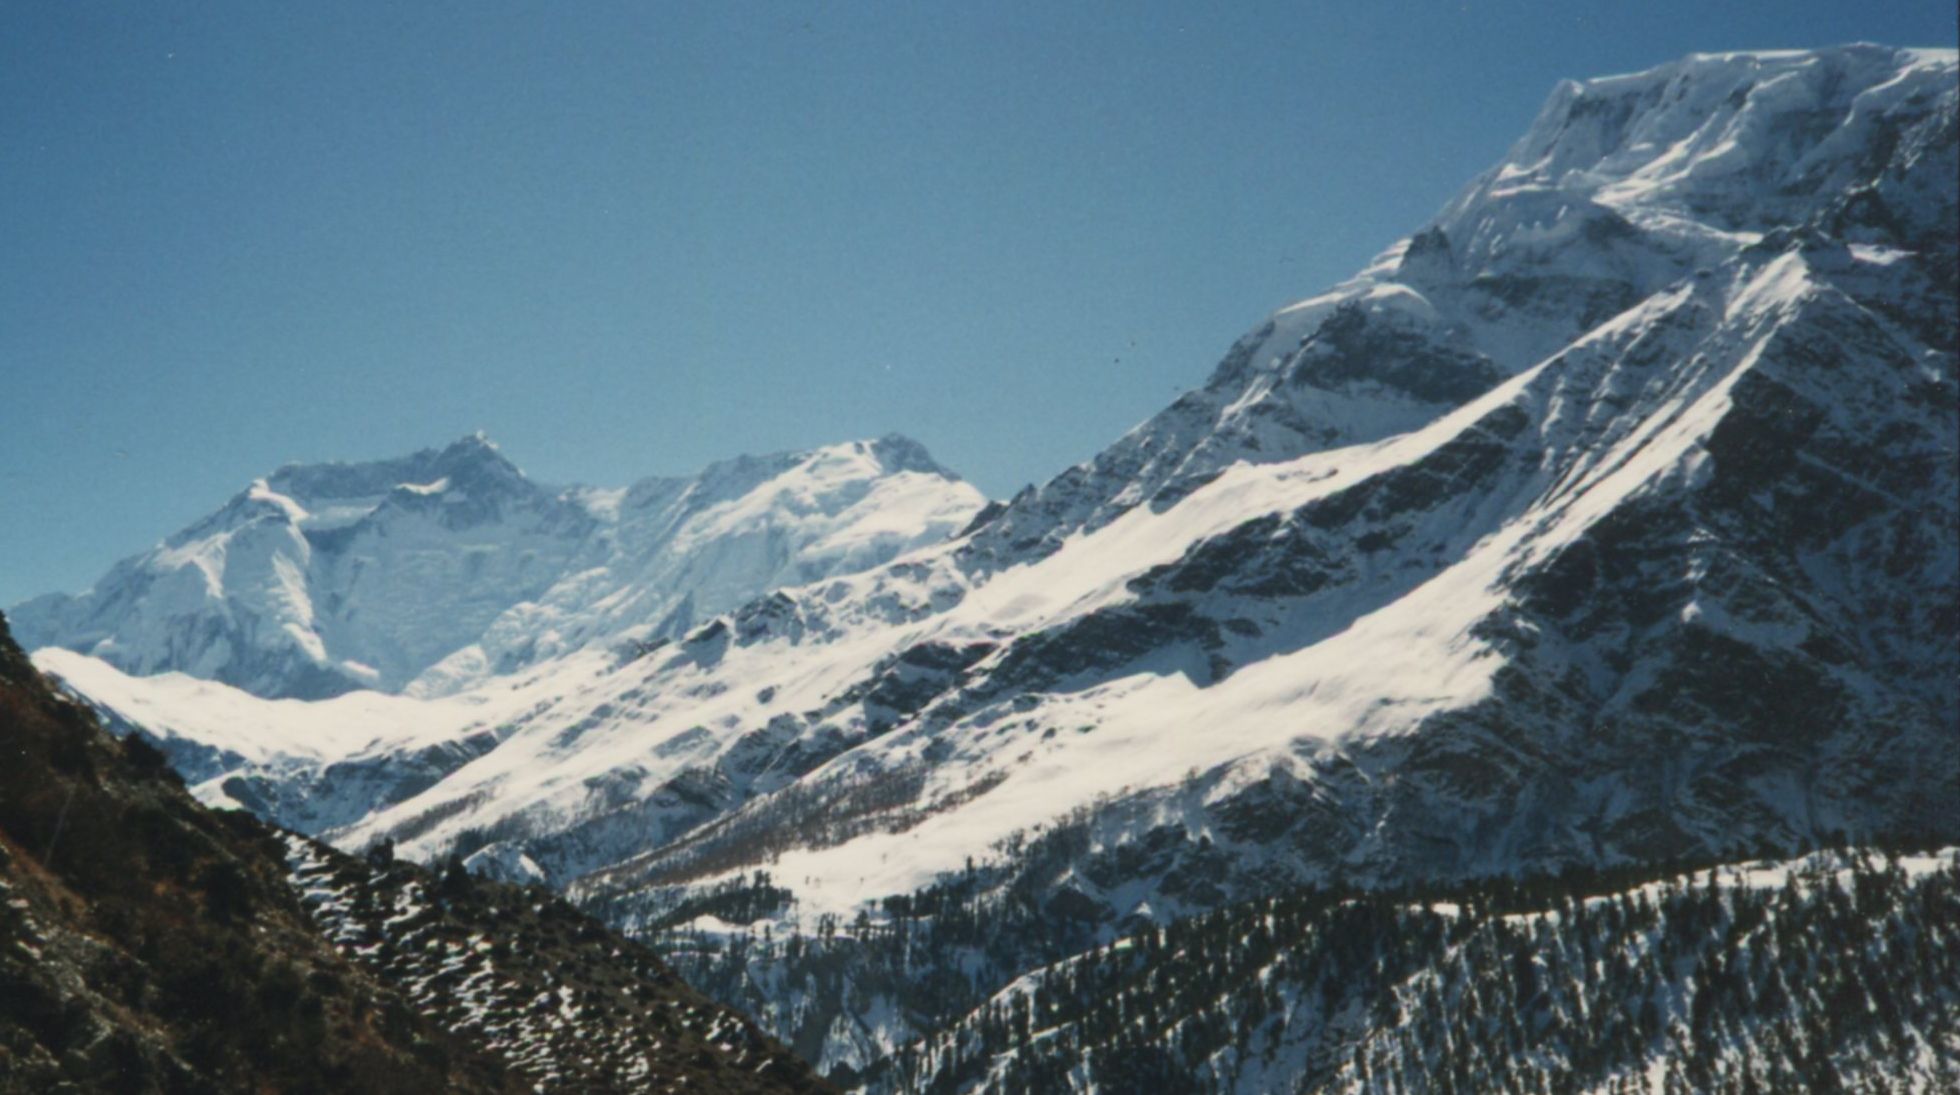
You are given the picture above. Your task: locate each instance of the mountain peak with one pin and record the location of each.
(471, 458)
(475, 460)
(897, 452)
(1738, 142)
(863, 460)
(475, 444)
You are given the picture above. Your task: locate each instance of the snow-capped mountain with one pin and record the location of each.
(1665, 442)
(1622, 186)
(437, 569)
(1611, 517)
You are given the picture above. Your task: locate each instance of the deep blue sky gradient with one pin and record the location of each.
(630, 239)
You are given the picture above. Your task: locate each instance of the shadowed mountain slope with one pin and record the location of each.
(148, 943)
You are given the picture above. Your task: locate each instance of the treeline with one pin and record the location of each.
(926, 960)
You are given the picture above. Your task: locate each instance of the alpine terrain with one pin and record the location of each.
(1412, 673)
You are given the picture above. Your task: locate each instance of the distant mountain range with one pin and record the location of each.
(432, 571)
(1611, 518)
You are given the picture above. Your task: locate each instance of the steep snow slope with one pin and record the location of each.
(1621, 187)
(435, 570)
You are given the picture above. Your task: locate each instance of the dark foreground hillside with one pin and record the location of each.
(150, 944)
(551, 990)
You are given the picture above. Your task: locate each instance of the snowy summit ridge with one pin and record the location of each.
(434, 569)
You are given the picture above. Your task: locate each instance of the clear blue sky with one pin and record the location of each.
(630, 239)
